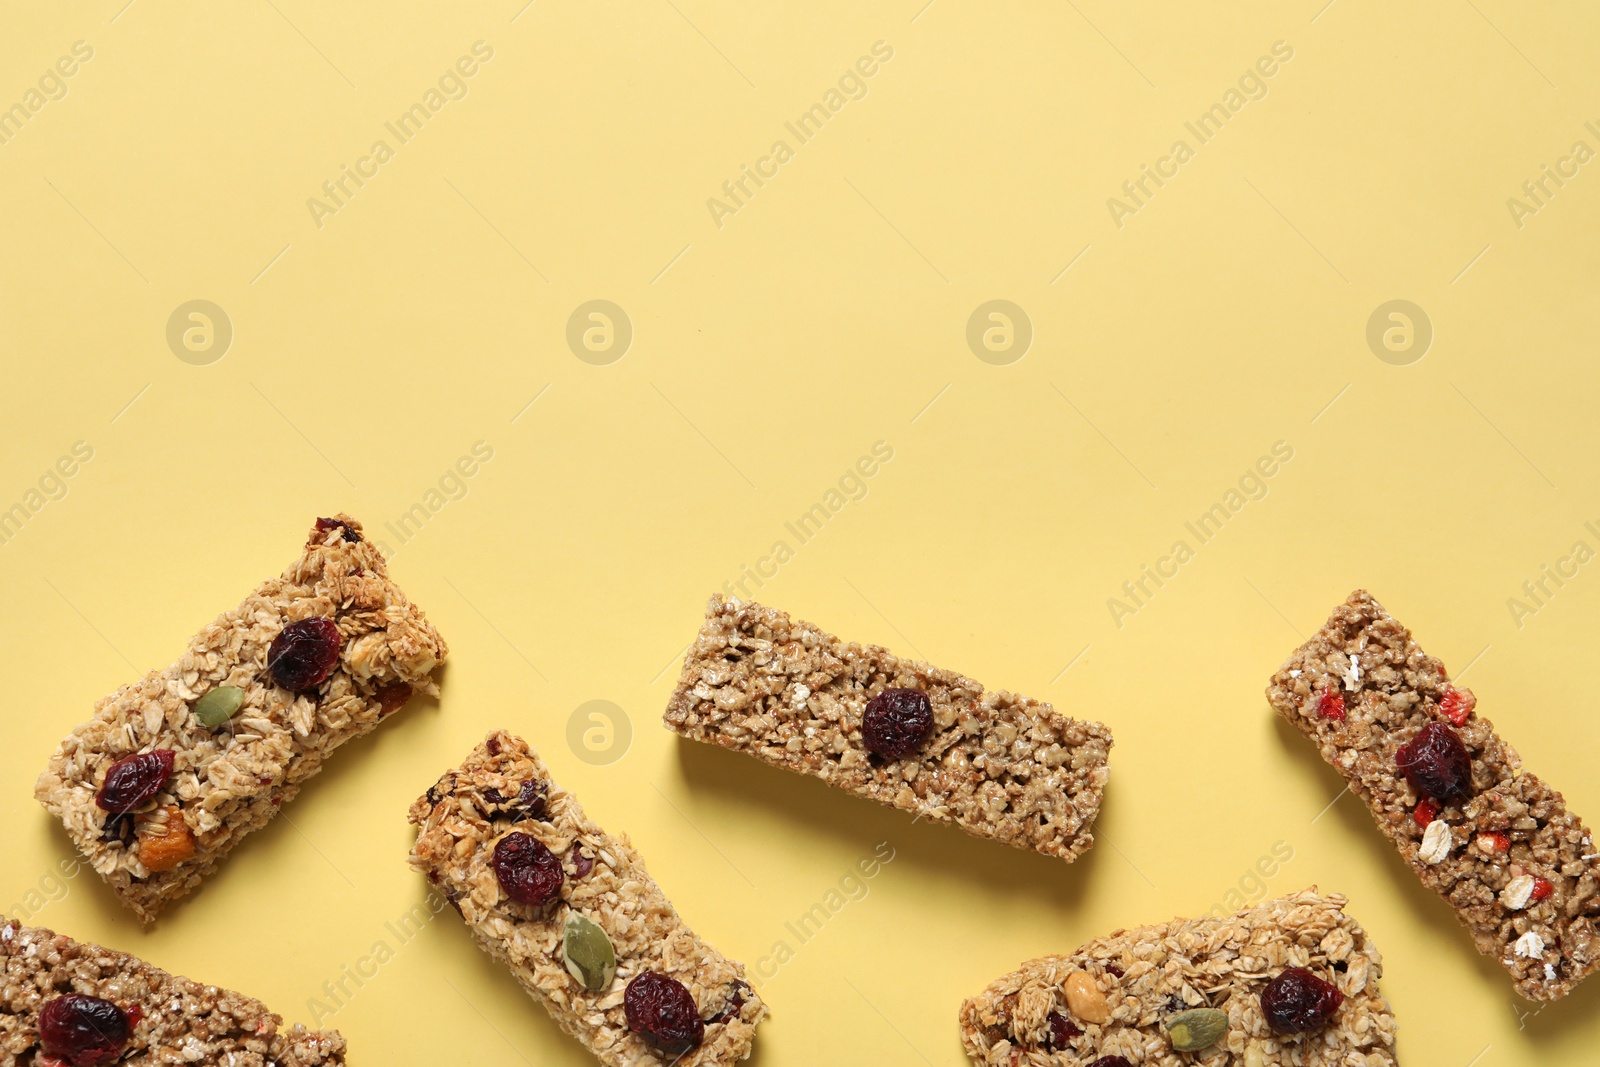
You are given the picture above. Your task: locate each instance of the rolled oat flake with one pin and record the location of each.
(588, 953)
(1197, 1028)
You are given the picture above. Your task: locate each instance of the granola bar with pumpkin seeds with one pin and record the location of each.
(1496, 842)
(571, 910)
(897, 731)
(64, 1002)
(1227, 990)
(173, 770)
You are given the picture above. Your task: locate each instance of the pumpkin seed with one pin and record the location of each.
(1197, 1028)
(219, 705)
(589, 955)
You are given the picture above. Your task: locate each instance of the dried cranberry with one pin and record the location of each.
(662, 1012)
(1330, 705)
(83, 1030)
(1111, 1061)
(733, 1005)
(1436, 764)
(391, 698)
(304, 653)
(527, 871)
(897, 723)
(1542, 888)
(1456, 705)
(132, 780)
(1297, 1001)
(1427, 811)
(324, 525)
(581, 864)
(531, 800)
(1062, 1031)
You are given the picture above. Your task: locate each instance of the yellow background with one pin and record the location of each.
(828, 313)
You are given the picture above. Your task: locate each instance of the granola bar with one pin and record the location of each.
(1496, 842)
(575, 915)
(897, 731)
(66, 1002)
(173, 770)
(1292, 980)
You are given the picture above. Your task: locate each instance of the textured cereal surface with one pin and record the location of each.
(231, 780)
(181, 1022)
(997, 765)
(1391, 689)
(1150, 974)
(459, 821)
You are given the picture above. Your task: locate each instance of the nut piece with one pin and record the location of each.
(1085, 999)
(1436, 842)
(174, 843)
(1517, 894)
(1197, 1028)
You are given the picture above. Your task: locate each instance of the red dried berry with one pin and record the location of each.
(581, 864)
(1494, 841)
(1297, 1001)
(324, 525)
(897, 723)
(133, 780)
(662, 1012)
(1542, 888)
(528, 872)
(391, 698)
(734, 1004)
(1456, 705)
(83, 1030)
(1436, 764)
(1330, 705)
(1111, 1061)
(1426, 812)
(1062, 1031)
(304, 653)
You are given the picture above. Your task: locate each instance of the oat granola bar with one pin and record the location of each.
(1496, 842)
(898, 731)
(173, 770)
(65, 1002)
(1292, 980)
(575, 915)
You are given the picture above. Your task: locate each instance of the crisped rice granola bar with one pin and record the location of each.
(154, 796)
(1149, 995)
(1495, 841)
(533, 877)
(897, 731)
(133, 1013)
